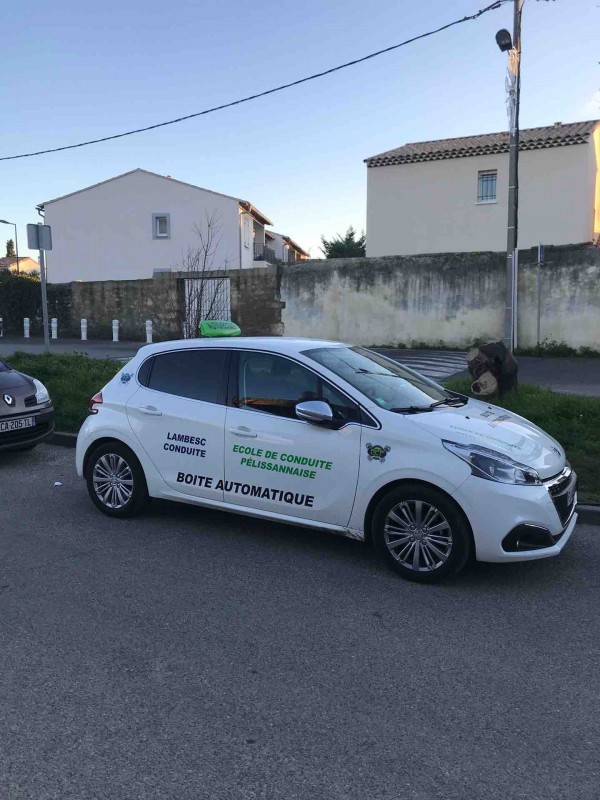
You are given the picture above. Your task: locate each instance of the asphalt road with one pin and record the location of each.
(194, 654)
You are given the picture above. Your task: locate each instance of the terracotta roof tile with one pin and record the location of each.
(558, 135)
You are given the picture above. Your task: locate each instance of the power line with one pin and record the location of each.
(468, 18)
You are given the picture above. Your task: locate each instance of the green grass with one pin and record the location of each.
(574, 421)
(70, 379)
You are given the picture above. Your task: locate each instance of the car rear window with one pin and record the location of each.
(197, 374)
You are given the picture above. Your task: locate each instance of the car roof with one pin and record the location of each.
(279, 344)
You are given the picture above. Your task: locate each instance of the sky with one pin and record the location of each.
(72, 70)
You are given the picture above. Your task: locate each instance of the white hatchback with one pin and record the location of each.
(330, 436)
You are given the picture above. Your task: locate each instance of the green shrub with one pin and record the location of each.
(20, 297)
(71, 379)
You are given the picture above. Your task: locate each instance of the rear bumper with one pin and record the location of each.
(42, 430)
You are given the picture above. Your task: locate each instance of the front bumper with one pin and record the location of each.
(495, 510)
(42, 430)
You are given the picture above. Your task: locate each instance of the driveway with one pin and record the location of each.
(194, 654)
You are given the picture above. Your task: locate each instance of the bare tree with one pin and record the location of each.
(202, 295)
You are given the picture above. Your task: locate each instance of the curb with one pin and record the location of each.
(588, 514)
(64, 439)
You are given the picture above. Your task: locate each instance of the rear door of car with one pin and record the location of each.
(178, 415)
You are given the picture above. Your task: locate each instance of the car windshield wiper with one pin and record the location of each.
(450, 401)
(412, 410)
(422, 409)
(368, 372)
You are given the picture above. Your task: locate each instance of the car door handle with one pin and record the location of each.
(151, 411)
(243, 432)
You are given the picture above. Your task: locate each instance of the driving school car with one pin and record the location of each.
(330, 436)
(26, 413)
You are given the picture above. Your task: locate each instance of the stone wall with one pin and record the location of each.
(131, 302)
(450, 299)
(255, 304)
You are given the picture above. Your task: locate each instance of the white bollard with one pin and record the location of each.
(84, 330)
(148, 331)
(54, 327)
(115, 325)
(26, 327)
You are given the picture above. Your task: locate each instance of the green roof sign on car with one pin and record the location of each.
(218, 327)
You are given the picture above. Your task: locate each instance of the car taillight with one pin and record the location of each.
(95, 401)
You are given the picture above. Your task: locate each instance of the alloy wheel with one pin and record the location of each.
(113, 481)
(418, 535)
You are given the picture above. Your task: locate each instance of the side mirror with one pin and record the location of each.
(315, 411)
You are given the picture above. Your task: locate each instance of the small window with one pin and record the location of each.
(144, 372)
(246, 222)
(197, 374)
(486, 186)
(276, 385)
(161, 226)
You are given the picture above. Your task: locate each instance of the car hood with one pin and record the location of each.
(497, 429)
(10, 379)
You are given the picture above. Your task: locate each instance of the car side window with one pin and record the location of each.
(144, 371)
(275, 384)
(344, 409)
(196, 374)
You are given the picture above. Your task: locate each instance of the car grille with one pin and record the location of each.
(561, 489)
(30, 401)
(24, 435)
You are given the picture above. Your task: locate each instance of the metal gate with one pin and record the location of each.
(205, 298)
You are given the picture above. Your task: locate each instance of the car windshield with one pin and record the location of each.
(382, 380)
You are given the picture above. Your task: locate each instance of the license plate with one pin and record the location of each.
(16, 424)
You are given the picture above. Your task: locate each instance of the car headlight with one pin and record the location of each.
(41, 393)
(494, 466)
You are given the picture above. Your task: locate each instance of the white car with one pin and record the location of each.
(330, 436)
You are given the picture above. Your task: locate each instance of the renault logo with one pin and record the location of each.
(8, 399)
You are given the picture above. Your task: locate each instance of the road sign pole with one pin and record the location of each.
(39, 237)
(539, 293)
(44, 301)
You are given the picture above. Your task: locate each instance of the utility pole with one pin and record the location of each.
(512, 255)
(17, 249)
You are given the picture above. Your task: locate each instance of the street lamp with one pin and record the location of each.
(512, 46)
(6, 222)
(504, 40)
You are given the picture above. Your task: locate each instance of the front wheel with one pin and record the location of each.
(115, 480)
(421, 534)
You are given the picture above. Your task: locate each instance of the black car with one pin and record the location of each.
(26, 413)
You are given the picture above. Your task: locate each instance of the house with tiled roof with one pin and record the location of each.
(138, 223)
(26, 264)
(451, 195)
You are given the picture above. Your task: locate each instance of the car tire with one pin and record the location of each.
(116, 481)
(421, 533)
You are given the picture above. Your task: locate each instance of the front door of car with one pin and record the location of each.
(178, 415)
(276, 462)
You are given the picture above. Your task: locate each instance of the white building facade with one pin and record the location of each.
(137, 223)
(451, 195)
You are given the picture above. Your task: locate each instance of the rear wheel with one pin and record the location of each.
(421, 534)
(115, 480)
